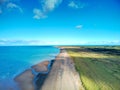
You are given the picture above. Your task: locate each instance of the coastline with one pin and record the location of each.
(55, 74)
(28, 79)
(63, 75)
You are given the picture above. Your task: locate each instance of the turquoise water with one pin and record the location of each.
(15, 59)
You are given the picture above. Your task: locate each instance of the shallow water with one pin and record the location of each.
(15, 59)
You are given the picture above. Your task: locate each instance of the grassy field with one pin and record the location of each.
(98, 66)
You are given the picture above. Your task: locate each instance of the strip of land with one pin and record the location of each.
(63, 75)
(60, 76)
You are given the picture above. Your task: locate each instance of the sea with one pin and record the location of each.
(16, 59)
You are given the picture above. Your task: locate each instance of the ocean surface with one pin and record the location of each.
(16, 59)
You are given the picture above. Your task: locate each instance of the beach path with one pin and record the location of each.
(63, 75)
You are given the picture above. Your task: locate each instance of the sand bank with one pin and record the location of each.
(33, 78)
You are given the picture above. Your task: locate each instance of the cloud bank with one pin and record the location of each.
(6, 42)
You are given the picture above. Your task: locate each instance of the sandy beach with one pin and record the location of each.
(58, 75)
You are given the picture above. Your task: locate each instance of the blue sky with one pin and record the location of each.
(59, 22)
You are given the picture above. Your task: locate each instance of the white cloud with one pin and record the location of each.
(79, 26)
(39, 42)
(12, 6)
(47, 6)
(76, 5)
(73, 4)
(2, 43)
(114, 42)
(38, 14)
(5, 42)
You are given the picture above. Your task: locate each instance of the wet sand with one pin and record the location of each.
(59, 74)
(28, 79)
(25, 80)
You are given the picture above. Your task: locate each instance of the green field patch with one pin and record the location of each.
(99, 70)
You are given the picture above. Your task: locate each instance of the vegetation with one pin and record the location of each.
(98, 66)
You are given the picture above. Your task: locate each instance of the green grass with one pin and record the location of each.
(98, 66)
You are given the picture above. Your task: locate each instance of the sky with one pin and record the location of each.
(59, 22)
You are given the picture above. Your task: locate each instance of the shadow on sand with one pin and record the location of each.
(41, 77)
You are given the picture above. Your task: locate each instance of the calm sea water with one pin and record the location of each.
(15, 59)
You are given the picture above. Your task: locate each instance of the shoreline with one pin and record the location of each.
(63, 75)
(55, 74)
(28, 79)
(40, 76)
